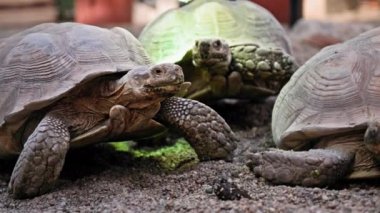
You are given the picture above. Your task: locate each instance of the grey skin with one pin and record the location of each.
(372, 139)
(112, 109)
(332, 158)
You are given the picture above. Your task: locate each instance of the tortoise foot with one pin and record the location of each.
(206, 130)
(255, 62)
(41, 160)
(316, 167)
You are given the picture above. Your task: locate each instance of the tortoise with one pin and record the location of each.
(326, 118)
(70, 85)
(227, 49)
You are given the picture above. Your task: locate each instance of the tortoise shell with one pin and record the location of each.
(173, 34)
(336, 91)
(42, 64)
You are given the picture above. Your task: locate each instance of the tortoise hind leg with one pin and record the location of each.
(206, 131)
(316, 167)
(253, 61)
(41, 160)
(263, 70)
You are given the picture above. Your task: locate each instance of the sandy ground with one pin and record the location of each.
(97, 179)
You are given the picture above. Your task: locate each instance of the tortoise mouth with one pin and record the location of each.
(210, 56)
(210, 59)
(164, 88)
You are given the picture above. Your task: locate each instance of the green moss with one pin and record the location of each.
(125, 146)
(178, 156)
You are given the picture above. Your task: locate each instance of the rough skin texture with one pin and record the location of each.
(372, 139)
(316, 167)
(264, 70)
(245, 71)
(41, 160)
(206, 131)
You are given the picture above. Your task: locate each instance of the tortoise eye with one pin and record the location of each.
(217, 43)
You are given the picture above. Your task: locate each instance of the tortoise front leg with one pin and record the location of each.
(41, 160)
(109, 129)
(316, 167)
(122, 124)
(133, 124)
(206, 131)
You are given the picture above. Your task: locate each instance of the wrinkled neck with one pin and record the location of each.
(133, 96)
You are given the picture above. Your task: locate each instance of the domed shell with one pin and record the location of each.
(42, 64)
(170, 36)
(336, 91)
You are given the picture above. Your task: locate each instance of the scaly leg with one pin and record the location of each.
(41, 160)
(264, 70)
(206, 131)
(316, 167)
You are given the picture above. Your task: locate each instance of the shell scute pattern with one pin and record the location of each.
(335, 91)
(168, 38)
(42, 64)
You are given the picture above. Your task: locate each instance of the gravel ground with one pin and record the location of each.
(131, 189)
(97, 179)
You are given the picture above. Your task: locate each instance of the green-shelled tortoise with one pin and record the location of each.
(228, 49)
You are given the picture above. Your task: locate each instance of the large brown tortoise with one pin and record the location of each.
(69, 85)
(331, 106)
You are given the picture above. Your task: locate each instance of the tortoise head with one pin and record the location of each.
(372, 138)
(151, 83)
(212, 53)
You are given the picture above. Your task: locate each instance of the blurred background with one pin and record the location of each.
(323, 22)
(134, 14)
